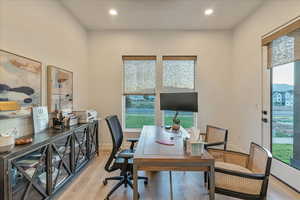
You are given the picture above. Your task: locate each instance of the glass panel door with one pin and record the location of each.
(281, 105)
(286, 114)
(28, 176)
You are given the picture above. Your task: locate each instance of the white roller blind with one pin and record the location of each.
(178, 73)
(285, 49)
(139, 75)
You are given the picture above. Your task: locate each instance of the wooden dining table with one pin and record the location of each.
(152, 155)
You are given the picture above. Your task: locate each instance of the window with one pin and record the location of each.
(179, 76)
(139, 111)
(140, 100)
(279, 97)
(139, 91)
(283, 113)
(284, 62)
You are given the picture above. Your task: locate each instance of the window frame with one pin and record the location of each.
(158, 114)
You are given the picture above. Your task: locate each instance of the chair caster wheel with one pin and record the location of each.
(105, 183)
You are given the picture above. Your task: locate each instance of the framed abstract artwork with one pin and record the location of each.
(60, 89)
(20, 84)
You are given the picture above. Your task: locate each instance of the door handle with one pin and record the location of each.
(264, 112)
(265, 120)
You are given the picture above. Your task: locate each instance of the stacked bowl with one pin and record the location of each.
(7, 143)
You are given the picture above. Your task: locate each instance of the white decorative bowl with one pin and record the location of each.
(6, 148)
(7, 143)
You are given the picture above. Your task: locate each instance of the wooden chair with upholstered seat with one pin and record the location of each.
(240, 175)
(216, 137)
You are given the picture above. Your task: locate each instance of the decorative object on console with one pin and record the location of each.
(70, 117)
(21, 141)
(9, 105)
(73, 120)
(60, 89)
(40, 118)
(86, 116)
(7, 143)
(7, 140)
(60, 121)
(25, 91)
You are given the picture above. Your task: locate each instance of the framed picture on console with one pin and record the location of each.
(60, 89)
(20, 84)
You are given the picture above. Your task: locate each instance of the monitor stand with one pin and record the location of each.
(175, 117)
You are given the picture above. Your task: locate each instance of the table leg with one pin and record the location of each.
(212, 183)
(135, 182)
(171, 185)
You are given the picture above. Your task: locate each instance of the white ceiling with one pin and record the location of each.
(160, 14)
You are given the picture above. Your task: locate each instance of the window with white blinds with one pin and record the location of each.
(285, 49)
(139, 91)
(140, 84)
(139, 74)
(179, 73)
(179, 76)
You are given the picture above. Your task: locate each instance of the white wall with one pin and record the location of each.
(45, 31)
(246, 76)
(213, 49)
(247, 67)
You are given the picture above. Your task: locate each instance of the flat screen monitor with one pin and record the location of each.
(179, 101)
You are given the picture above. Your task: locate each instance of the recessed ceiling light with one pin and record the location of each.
(113, 12)
(208, 11)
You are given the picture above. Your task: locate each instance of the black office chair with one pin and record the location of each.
(120, 159)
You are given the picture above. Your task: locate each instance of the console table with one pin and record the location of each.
(39, 170)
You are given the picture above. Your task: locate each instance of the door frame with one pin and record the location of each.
(291, 175)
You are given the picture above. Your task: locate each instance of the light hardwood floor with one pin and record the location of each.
(186, 186)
